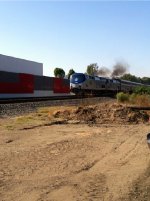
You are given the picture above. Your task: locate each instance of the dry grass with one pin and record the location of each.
(134, 99)
(49, 111)
(42, 116)
(24, 119)
(143, 100)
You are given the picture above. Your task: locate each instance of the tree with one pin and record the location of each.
(146, 80)
(92, 69)
(59, 72)
(71, 71)
(131, 78)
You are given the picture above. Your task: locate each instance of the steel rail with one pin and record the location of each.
(48, 98)
(35, 99)
(15, 109)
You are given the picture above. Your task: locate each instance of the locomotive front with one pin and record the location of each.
(76, 82)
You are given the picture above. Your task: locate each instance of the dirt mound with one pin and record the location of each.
(104, 113)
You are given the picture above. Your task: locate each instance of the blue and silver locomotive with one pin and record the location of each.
(83, 84)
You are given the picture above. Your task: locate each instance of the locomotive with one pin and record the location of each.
(83, 84)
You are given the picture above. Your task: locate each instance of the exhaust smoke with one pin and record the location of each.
(104, 71)
(119, 69)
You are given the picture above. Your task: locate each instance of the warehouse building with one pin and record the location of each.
(22, 78)
(16, 65)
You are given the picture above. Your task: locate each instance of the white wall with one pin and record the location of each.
(12, 64)
(38, 93)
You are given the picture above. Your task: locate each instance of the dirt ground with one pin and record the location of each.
(65, 156)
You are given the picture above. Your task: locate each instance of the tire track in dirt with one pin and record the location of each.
(140, 189)
(85, 188)
(97, 164)
(120, 160)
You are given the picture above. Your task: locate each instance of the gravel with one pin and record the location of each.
(15, 109)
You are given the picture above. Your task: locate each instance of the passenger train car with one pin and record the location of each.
(84, 84)
(16, 85)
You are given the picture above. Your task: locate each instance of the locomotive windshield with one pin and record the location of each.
(77, 78)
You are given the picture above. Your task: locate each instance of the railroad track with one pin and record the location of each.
(19, 108)
(35, 99)
(39, 99)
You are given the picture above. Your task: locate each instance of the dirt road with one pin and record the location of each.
(75, 162)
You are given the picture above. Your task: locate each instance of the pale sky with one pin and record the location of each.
(75, 34)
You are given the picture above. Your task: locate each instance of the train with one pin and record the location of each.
(23, 85)
(83, 84)
(21, 78)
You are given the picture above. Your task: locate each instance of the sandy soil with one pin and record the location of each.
(74, 162)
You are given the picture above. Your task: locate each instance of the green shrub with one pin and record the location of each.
(135, 99)
(132, 98)
(142, 90)
(122, 97)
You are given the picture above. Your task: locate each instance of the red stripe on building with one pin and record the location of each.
(27, 83)
(59, 86)
(24, 86)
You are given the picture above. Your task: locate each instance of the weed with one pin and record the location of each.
(136, 99)
(142, 90)
(122, 97)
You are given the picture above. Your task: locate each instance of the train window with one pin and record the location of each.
(103, 79)
(115, 81)
(97, 78)
(77, 78)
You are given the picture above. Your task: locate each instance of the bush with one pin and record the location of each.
(136, 99)
(132, 98)
(142, 90)
(122, 97)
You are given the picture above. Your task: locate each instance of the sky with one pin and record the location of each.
(74, 34)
